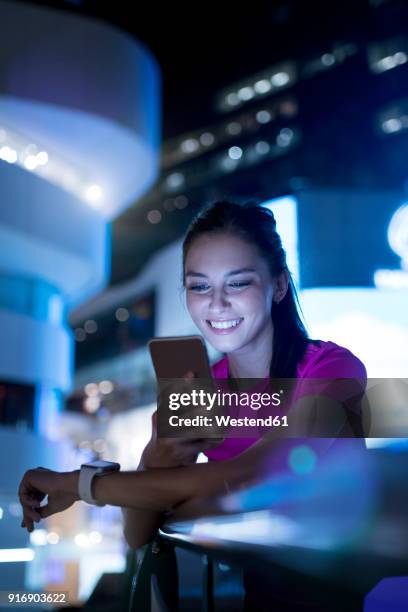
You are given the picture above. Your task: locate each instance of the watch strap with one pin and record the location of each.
(86, 476)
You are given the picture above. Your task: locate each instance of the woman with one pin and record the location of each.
(241, 297)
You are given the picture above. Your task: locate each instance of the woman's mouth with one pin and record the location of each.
(224, 327)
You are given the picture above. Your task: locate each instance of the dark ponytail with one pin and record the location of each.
(257, 226)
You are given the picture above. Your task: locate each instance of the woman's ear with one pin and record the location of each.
(281, 286)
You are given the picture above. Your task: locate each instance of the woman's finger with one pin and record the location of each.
(27, 523)
(29, 504)
(32, 514)
(31, 500)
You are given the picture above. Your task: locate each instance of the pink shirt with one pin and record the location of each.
(325, 360)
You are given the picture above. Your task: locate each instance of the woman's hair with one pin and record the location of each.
(256, 225)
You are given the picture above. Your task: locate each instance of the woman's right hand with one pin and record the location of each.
(173, 452)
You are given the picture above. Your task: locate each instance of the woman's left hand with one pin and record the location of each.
(39, 483)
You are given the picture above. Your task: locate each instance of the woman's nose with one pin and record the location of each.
(218, 301)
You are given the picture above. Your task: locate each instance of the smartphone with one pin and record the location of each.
(173, 357)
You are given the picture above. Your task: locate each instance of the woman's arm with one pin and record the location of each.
(161, 489)
(141, 524)
(158, 489)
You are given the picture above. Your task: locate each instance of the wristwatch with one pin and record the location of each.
(86, 475)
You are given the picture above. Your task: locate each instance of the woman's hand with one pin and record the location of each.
(37, 484)
(173, 452)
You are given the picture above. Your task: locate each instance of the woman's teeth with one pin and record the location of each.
(225, 324)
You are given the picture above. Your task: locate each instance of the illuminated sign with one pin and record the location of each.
(398, 240)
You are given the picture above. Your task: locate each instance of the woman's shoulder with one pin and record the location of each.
(327, 359)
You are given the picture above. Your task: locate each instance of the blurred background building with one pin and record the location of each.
(114, 132)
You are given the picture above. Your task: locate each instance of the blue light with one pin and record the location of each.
(398, 232)
(302, 459)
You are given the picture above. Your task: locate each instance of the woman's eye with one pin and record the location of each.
(239, 284)
(202, 287)
(198, 288)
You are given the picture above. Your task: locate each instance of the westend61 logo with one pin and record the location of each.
(203, 399)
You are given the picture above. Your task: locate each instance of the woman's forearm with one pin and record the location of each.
(140, 525)
(161, 489)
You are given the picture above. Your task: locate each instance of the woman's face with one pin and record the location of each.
(229, 291)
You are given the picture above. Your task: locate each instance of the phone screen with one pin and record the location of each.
(175, 356)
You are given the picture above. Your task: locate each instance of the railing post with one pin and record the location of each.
(208, 584)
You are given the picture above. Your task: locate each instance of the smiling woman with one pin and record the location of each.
(241, 296)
